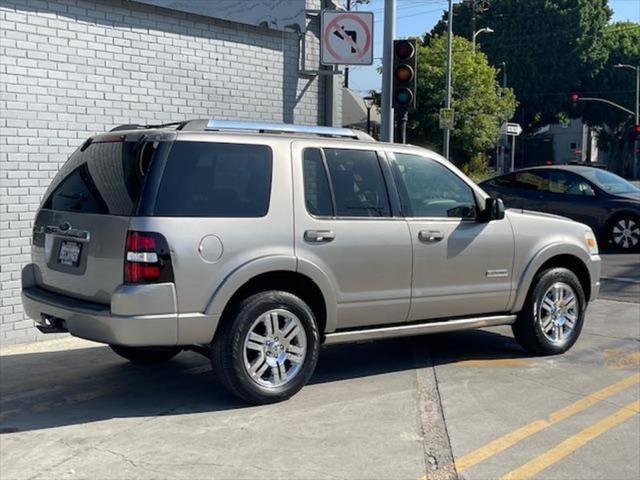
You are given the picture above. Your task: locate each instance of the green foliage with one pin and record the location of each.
(548, 47)
(622, 43)
(478, 168)
(480, 104)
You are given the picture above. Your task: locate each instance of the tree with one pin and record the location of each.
(480, 104)
(622, 42)
(548, 47)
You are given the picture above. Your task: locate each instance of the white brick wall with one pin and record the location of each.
(72, 68)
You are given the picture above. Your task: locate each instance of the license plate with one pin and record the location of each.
(69, 254)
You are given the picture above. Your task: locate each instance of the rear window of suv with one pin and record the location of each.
(104, 178)
(207, 179)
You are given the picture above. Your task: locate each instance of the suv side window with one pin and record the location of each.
(208, 179)
(358, 183)
(432, 190)
(317, 195)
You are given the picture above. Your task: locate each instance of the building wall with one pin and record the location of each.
(72, 68)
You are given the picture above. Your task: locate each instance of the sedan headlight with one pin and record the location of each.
(591, 242)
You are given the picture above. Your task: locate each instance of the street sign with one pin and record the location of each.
(513, 129)
(446, 118)
(346, 38)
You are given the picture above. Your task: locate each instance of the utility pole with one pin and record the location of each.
(473, 19)
(386, 134)
(447, 99)
(346, 69)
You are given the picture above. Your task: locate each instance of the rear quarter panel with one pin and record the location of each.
(239, 241)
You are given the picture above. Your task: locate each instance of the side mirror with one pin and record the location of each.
(494, 209)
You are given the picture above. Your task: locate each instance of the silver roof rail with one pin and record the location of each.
(265, 127)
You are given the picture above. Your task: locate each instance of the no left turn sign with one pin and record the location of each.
(346, 38)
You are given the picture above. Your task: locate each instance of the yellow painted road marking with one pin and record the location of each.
(500, 444)
(572, 443)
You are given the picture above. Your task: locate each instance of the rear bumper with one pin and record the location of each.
(96, 322)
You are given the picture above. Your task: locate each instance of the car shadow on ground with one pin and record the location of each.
(79, 386)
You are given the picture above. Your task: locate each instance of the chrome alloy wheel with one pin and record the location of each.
(626, 233)
(558, 312)
(275, 348)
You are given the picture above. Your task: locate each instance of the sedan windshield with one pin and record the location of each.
(610, 182)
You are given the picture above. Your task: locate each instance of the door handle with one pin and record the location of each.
(319, 236)
(430, 236)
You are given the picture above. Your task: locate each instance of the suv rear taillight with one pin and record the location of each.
(147, 258)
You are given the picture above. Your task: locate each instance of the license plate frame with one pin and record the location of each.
(70, 253)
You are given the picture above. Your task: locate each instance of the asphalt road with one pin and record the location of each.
(395, 409)
(620, 277)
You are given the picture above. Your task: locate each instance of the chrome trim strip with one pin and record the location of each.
(417, 329)
(497, 273)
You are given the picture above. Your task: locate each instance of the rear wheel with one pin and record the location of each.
(146, 355)
(552, 317)
(267, 350)
(624, 233)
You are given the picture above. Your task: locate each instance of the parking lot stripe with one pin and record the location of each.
(572, 443)
(500, 444)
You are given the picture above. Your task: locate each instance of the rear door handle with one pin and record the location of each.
(319, 236)
(430, 236)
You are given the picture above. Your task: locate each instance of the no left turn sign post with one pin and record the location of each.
(346, 38)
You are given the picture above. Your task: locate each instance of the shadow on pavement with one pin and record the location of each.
(62, 388)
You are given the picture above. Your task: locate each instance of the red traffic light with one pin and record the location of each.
(637, 129)
(574, 97)
(404, 49)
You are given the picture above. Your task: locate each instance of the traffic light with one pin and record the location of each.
(574, 97)
(634, 133)
(404, 74)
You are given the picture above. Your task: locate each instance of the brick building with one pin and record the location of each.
(72, 68)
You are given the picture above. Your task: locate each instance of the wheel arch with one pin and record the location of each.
(565, 256)
(275, 274)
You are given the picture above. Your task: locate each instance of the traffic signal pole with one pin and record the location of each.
(386, 130)
(447, 100)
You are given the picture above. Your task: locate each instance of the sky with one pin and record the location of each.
(414, 17)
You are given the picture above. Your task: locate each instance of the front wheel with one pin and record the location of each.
(552, 317)
(624, 233)
(146, 355)
(267, 347)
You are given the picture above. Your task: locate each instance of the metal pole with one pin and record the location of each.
(447, 132)
(346, 69)
(636, 154)
(386, 134)
(368, 120)
(402, 125)
(513, 153)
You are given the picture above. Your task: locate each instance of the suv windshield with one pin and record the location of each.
(104, 178)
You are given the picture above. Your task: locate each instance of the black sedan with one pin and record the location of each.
(606, 202)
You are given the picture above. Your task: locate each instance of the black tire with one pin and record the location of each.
(227, 352)
(146, 355)
(528, 330)
(616, 228)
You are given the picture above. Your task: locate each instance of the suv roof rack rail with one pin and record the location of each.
(135, 126)
(265, 127)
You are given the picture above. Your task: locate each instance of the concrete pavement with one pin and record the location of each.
(396, 409)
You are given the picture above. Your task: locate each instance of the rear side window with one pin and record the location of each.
(104, 178)
(206, 179)
(316, 185)
(358, 183)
